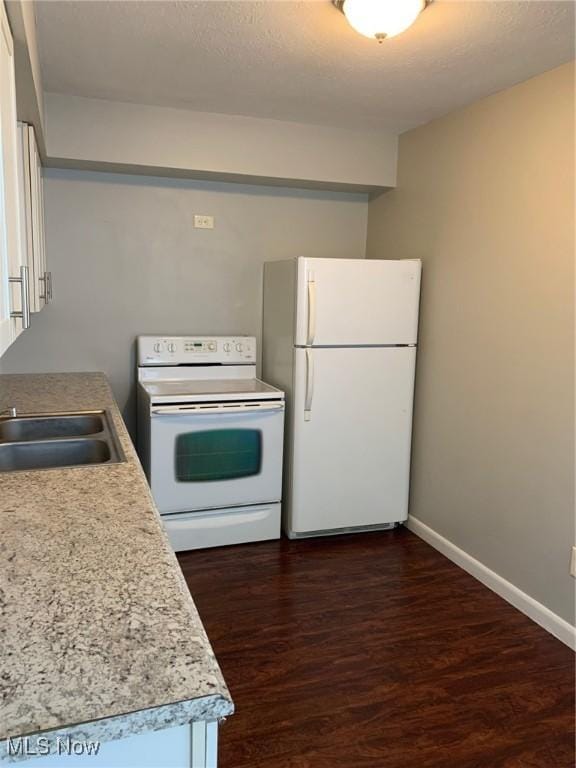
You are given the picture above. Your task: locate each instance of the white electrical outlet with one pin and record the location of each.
(573, 563)
(203, 222)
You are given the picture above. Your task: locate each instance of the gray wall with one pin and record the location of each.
(486, 198)
(126, 261)
(116, 136)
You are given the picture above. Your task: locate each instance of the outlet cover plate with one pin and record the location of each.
(203, 222)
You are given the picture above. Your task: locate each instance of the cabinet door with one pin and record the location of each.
(32, 216)
(41, 282)
(25, 192)
(12, 294)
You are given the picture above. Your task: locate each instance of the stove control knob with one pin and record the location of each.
(239, 347)
(226, 347)
(171, 347)
(158, 346)
(212, 346)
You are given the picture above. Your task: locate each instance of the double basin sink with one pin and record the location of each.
(56, 440)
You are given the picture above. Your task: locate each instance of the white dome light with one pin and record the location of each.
(379, 19)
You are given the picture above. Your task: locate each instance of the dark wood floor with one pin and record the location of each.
(374, 651)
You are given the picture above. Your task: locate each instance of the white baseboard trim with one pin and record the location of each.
(543, 616)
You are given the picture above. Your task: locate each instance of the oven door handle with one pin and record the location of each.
(203, 410)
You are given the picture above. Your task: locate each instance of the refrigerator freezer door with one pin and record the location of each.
(344, 302)
(351, 426)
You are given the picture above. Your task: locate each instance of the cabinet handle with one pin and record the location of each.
(44, 279)
(24, 314)
(47, 280)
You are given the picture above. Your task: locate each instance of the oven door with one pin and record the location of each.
(208, 456)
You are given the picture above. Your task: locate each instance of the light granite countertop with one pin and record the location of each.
(99, 636)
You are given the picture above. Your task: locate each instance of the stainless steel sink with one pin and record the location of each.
(49, 454)
(24, 428)
(55, 440)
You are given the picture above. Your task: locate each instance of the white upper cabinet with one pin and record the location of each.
(25, 284)
(32, 218)
(14, 287)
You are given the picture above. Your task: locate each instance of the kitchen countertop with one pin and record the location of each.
(99, 636)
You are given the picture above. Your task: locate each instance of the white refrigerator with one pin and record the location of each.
(339, 337)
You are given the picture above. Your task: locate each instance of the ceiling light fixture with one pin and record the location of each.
(380, 19)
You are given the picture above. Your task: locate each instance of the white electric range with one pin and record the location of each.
(210, 438)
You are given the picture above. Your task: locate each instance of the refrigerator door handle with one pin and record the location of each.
(309, 385)
(311, 309)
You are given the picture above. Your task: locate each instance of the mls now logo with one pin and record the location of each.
(25, 746)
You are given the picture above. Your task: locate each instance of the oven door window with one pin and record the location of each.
(218, 454)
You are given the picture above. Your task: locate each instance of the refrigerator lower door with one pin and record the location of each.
(351, 425)
(348, 302)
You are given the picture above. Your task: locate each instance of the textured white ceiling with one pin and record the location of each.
(298, 61)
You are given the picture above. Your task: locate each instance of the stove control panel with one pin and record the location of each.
(196, 350)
